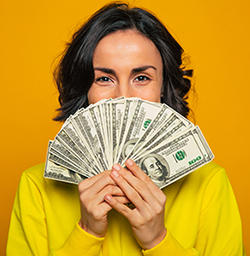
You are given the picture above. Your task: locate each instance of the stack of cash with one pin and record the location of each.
(164, 144)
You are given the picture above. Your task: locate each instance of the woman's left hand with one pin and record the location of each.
(147, 218)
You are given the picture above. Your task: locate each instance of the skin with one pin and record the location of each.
(126, 64)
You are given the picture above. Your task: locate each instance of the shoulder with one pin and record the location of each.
(206, 173)
(210, 180)
(35, 176)
(210, 177)
(198, 181)
(35, 172)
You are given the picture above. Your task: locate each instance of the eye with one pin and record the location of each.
(152, 166)
(142, 78)
(103, 79)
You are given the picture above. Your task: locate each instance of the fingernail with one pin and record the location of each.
(116, 167)
(108, 198)
(115, 173)
(129, 162)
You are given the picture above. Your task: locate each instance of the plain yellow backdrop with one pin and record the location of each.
(214, 33)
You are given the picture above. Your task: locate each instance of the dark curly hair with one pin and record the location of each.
(75, 73)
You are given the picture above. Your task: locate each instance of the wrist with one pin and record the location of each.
(154, 242)
(86, 228)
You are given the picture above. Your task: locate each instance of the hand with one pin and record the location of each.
(147, 218)
(94, 209)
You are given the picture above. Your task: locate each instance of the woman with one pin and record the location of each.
(124, 52)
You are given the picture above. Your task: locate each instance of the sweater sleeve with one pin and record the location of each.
(28, 234)
(220, 231)
(170, 246)
(81, 243)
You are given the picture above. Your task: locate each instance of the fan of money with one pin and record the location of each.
(163, 143)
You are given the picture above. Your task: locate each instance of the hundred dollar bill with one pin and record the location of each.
(57, 172)
(116, 113)
(105, 116)
(78, 147)
(171, 127)
(63, 142)
(57, 159)
(86, 129)
(60, 173)
(144, 113)
(61, 155)
(128, 109)
(111, 120)
(84, 133)
(160, 120)
(96, 120)
(176, 158)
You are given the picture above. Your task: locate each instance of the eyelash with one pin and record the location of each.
(144, 78)
(105, 79)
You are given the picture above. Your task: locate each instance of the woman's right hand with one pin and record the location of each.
(94, 208)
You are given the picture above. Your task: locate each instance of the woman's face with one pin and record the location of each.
(128, 64)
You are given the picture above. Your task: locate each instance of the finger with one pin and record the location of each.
(101, 210)
(141, 187)
(137, 172)
(96, 183)
(132, 194)
(95, 204)
(95, 213)
(98, 198)
(116, 192)
(120, 207)
(122, 199)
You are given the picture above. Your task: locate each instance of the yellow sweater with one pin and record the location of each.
(201, 218)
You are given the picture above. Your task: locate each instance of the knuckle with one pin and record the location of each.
(139, 223)
(81, 186)
(123, 211)
(147, 179)
(90, 210)
(147, 218)
(140, 185)
(158, 209)
(97, 214)
(163, 198)
(133, 195)
(110, 189)
(82, 197)
(120, 181)
(106, 178)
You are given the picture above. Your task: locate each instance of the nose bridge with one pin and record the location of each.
(123, 89)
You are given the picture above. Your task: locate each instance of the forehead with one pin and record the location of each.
(126, 45)
(133, 36)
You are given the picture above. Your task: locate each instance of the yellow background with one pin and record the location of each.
(214, 33)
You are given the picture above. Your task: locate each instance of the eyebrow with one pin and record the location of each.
(106, 70)
(134, 70)
(143, 68)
